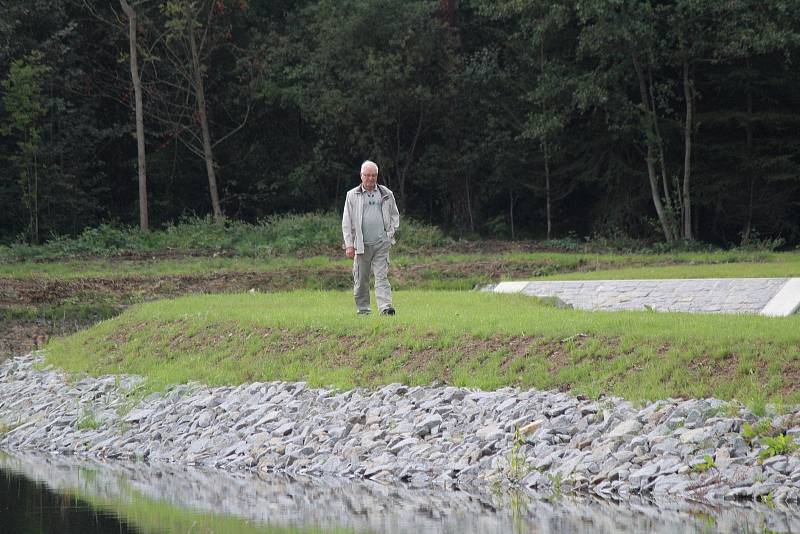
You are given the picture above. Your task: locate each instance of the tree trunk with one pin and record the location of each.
(749, 136)
(687, 153)
(448, 8)
(469, 205)
(546, 151)
(137, 90)
(662, 160)
(511, 211)
(208, 155)
(650, 158)
(547, 189)
(35, 199)
(401, 173)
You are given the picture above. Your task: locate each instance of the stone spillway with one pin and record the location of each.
(765, 296)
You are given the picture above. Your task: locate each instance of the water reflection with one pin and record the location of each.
(27, 506)
(169, 498)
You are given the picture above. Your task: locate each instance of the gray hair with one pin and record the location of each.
(369, 163)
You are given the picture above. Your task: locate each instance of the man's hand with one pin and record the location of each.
(350, 252)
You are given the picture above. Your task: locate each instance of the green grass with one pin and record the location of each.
(107, 268)
(778, 269)
(464, 338)
(442, 266)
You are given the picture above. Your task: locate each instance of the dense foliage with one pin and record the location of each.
(664, 120)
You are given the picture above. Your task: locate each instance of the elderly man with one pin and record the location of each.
(369, 223)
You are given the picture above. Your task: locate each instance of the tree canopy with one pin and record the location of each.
(664, 120)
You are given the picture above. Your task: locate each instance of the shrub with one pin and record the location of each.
(309, 233)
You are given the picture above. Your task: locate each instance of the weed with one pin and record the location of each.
(88, 421)
(762, 428)
(708, 463)
(754, 242)
(5, 428)
(123, 427)
(731, 409)
(497, 489)
(556, 483)
(517, 466)
(779, 445)
(125, 407)
(768, 500)
(519, 503)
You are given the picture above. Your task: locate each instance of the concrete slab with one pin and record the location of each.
(510, 287)
(786, 301)
(766, 296)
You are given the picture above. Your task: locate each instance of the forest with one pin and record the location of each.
(668, 121)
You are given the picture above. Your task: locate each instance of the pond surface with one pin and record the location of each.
(55, 494)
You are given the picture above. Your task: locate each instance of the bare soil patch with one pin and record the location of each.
(38, 291)
(19, 337)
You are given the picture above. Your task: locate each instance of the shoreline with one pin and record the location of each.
(362, 505)
(543, 443)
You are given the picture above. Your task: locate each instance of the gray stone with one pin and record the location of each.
(424, 428)
(490, 433)
(416, 436)
(205, 418)
(138, 415)
(626, 428)
(400, 445)
(697, 435)
(666, 446)
(777, 463)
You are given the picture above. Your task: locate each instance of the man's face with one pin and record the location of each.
(369, 177)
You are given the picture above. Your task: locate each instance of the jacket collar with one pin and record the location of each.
(360, 190)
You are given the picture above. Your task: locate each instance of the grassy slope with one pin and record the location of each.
(465, 338)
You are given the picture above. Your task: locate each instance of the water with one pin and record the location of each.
(53, 494)
(27, 506)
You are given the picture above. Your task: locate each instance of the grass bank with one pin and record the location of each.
(462, 338)
(441, 264)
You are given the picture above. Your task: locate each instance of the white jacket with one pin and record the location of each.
(353, 210)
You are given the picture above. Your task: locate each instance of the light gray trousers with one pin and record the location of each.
(376, 259)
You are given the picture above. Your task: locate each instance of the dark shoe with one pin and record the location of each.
(363, 312)
(388, 311)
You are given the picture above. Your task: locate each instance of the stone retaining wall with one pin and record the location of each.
(444, 437)
(767, 296)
